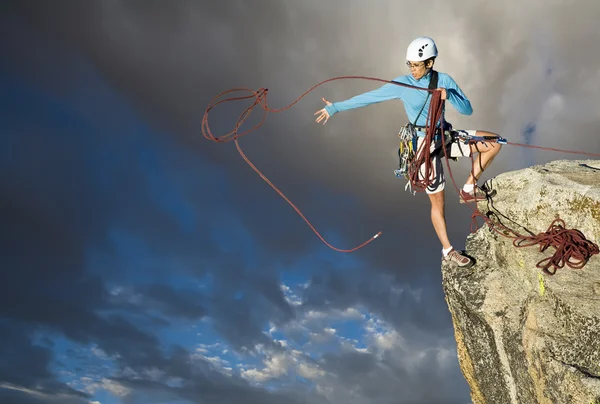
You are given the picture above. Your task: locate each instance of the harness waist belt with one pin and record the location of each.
(424, 129)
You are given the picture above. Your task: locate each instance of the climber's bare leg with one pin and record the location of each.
(486, 151)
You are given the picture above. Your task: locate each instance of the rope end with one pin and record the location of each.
(377, 235)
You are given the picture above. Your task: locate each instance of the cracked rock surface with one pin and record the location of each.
(524, 336)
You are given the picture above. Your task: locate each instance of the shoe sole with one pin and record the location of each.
(490, 194)
(455, 264)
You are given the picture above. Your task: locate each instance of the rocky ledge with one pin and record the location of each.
(524, 336)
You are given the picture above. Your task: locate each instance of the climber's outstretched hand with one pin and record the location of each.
(323, 114)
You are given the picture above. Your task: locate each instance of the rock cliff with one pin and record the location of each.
(524, 336)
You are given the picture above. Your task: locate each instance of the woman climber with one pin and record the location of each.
(421, 55)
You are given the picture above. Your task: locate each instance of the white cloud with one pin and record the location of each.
(216, 361)
(350, 313)
(290, 297)
(275, 365)
(111, 386)
(326, 335)
(154, 374)
(99, 353)
(382, 336)
(310, 371)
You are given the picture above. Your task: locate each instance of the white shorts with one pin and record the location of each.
(454, 149)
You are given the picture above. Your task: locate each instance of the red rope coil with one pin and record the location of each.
(572, 248)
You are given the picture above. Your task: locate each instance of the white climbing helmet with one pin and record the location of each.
(421, 49)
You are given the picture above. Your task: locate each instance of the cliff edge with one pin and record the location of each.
(524, 336)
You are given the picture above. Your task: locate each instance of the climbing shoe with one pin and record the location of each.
(477, 195)
(459, 259)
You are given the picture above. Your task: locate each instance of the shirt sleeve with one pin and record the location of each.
(386, 92)
(457, 98)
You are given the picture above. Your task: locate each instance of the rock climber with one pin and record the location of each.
(421, 55)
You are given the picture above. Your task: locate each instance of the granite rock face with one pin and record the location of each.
(524, 336)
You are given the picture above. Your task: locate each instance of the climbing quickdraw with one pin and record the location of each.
(466, 138)
(406, 152)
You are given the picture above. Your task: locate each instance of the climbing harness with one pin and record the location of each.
(408, 150)
(570, 244)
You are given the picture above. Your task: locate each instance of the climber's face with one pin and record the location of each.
(418, 69)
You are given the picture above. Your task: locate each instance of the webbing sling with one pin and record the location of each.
(433, 82)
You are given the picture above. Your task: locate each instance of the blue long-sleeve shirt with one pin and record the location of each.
(412, 98)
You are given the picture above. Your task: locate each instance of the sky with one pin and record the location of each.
(142, 263)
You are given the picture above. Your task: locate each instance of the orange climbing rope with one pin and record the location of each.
(571, 246)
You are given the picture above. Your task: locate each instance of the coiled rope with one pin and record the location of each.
(572, 248)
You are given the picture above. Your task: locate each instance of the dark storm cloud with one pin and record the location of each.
(172, 302)
(25, 366)
(375, 379)
(10, 395)
(402, 304)
(219, 390)
(71, 190)
(164, 58)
